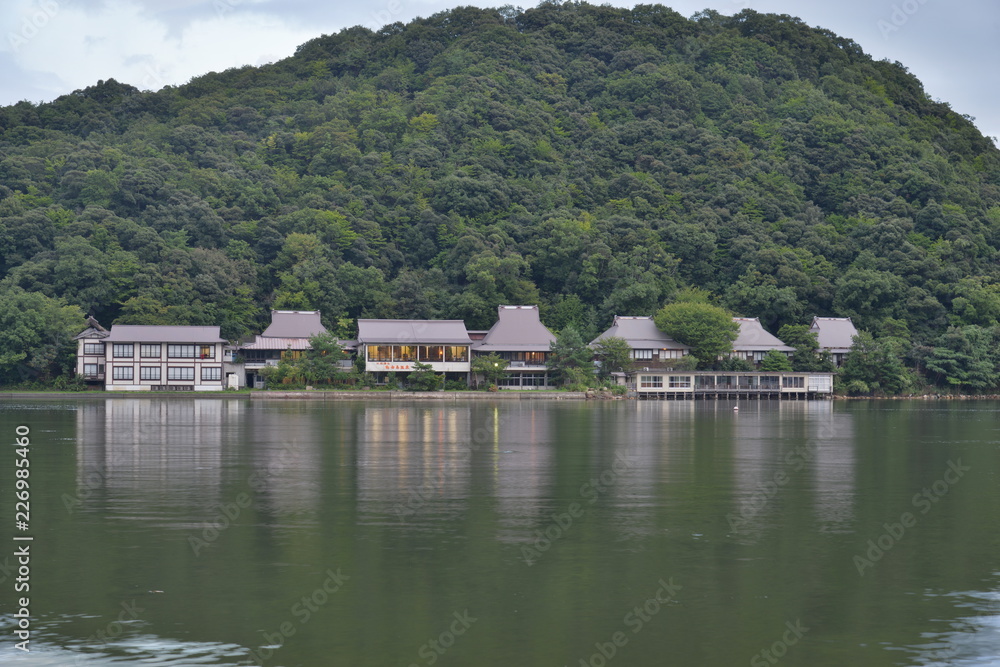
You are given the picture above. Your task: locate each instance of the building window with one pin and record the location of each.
(430, 353)
(642, 355)
(180, 351)
(793, 382)
(456, 353)
(671, 354)
(121, 372)
(149, 372)
(89, 370)
(380, 353)
(206, 352)
(769, 382)
(149, 351)
(650, 381)
(123, 350)
(180, 373)
(211, 373)
(404, 353)
(93, 348)
(680, 381)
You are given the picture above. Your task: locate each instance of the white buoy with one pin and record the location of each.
(736, 409)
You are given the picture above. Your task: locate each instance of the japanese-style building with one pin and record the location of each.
(753, 342)
(520, 339)
(163, 358)
(651, 348)
(835, 335)
(395, 346)
(286, 337)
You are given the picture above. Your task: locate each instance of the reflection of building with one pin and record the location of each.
(651, 348)
(395, 346)
(154, 446)
(180, 358)
(287, 336)
(835, 335)
(519, 338)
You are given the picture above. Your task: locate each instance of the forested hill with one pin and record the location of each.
(590, 159)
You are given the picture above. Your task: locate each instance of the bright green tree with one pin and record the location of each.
(806, 343)
(707, 329)
(423, 378)
(36, 335)
(775, 361)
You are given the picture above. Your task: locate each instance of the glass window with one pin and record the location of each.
(671, 354)
(404, 352)
(211, 373)
(90, 369)
(705, 381)
(181, 373)
(456, 353)
(430, 353)
(642, 355)
(206, 352)
(769, 382)
(123, 350)
(93, 348)
(180, 351)
(149, 372)
(650, 381)
(379, 353)
(121, 372)
(793, 382)
(680, 381)
(147, 351)
(725, 381)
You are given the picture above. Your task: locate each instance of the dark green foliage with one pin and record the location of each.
(807, 356)
(966, 358)
(708, 329)
(873, 367)
(36, 336)
(423, 378)
(594, 160)
(570, 360)
(614, 354)
(491, 367)
(734, 365)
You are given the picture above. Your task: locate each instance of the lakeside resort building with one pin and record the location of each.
(395, 346)
(162, 358)
(519, 338)
(835, 335)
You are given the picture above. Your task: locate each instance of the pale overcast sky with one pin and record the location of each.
(52, 47)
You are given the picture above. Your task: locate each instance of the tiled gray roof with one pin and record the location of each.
(441, 332)
(517, 328)
(753, 337)
(641, 334)
(834, 333)
(154, 333)
(294, 324)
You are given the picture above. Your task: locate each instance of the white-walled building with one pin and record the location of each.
(520, 338)
(395, 346)
(287, 336)
(163, 358)
(90, 352)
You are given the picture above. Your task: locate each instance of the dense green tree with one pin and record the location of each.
(966, 358)
(615, 355)
(423, 378)
(36, 335)
(873, 367)
(491, 367)
(708, 329)
(570, 359)
(807, 355)
(775, 361)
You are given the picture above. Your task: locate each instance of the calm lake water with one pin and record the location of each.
(226, 532)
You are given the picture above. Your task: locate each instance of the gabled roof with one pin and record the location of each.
(834, 333)
(440, 332)
(91, 332)
(153, 333)
(641, 334)
(518, 328)
(753, 337)
(294, 324)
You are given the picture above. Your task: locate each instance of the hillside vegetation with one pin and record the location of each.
(593, 160)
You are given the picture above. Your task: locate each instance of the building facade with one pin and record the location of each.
(163, 358)
(753, 342)
(286, 337)
(91, 361)
(395, 346)
(651, 348)
(520, 339)
(835, 335)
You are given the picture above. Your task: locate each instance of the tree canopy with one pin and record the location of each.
(709, 330)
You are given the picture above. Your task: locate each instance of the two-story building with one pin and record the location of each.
(286, 337)
(835, 335)
(90, 353)
(651, 348)
(753, 342)
(519, 338)
(163, 358)
(395, 346)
